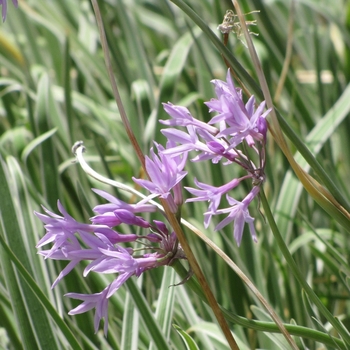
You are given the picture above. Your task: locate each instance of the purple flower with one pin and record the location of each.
(182, 117)
(119, 260)
(240, 215)
(130, 219)
(114, 236)
(60, 229)
(189, 142)
(99, 301)
(211, 194)
(242, 119)
(3, 3)
(116, 203)
(98, 244)
(108, 219)
(113, 260)
(164, 174)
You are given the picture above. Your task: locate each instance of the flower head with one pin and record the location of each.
(100, 245)
(241, 119)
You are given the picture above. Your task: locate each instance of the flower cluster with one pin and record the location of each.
(3, 4)
(101, 244)
(237, 122)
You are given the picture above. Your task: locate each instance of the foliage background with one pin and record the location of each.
(54, 91)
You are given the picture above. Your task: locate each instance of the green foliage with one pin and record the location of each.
(54, 90)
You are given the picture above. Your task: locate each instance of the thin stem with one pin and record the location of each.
(261, 326)
(247, 282)
(289, 50)
(171, 217)
(116, 94)
(284, 329)
(200, 276)
(298, 275)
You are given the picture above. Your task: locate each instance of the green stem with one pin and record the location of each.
(261, 326)
(297, 274)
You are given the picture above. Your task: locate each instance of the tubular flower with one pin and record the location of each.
(164, 173)
(240, 215)
(241, 119)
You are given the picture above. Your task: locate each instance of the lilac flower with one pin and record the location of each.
(219, 148)
(241, 118)
(99, 245)
(164, 174)
(108, 219)
(240, 215)
(182, 117)
(189, 141)
(180, 161)
(131, 219)
(117, 260)
(120, 260)
(99, 301)
(67, 247)
(211, 194)
(116, 203)
(114, 236)
(60, 229)
(3, 3)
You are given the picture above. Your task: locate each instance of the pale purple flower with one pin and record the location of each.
(119, 260)
(126, 217)
(180, 161)
(116, 203)
(97, 243)
(72, 250)
(99, 301)
(114, 236)
(3, 3)
(218, 147)
(164, 174)
(182, 117)
(64, 253)
(60, 229)
(242, 119)
(189, 141)
(113, 260)
(107, 218)
(211, 194)
(240, 215)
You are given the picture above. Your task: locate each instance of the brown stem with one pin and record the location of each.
(171, 217)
